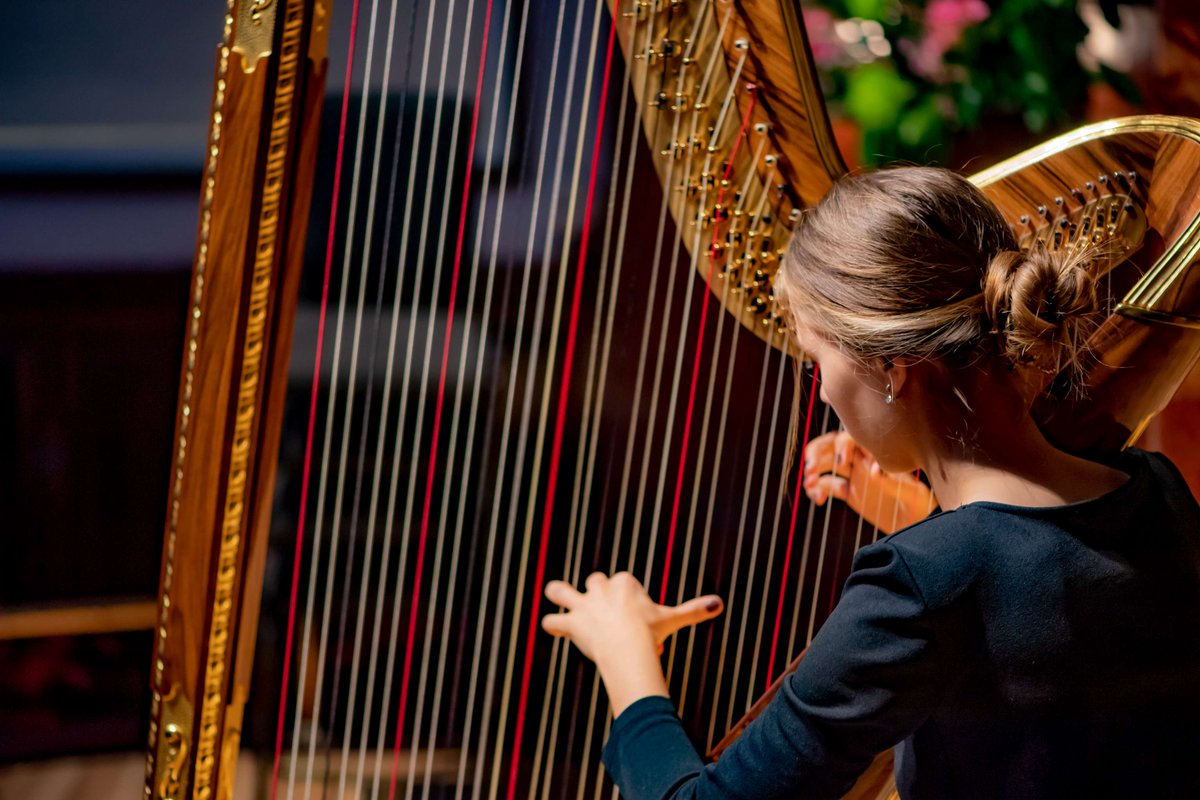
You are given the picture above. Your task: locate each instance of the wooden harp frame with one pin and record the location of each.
(269, 81)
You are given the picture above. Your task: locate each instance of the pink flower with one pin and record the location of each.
(945, 21)
(819, 24)
(951, 17)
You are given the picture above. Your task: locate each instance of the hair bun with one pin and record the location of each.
(1042, 306)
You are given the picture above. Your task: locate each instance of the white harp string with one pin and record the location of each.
(301, 683)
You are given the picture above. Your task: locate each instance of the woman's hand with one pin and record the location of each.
(836, 466)
(616, 624)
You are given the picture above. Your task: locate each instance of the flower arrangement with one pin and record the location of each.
(913, 73)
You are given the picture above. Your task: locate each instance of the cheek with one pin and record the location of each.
(861, 411)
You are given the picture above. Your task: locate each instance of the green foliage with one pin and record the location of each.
(876, 95)
(1023, 59)
(868, 9)
(1020, 61)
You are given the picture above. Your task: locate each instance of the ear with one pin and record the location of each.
(897, 375)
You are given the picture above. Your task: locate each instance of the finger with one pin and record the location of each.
(625, 579)
(838, 488)
(844, 451)
(557, 624)
(819, 445)
(595, 581)
(825, 439)
(563, 594)
(818, 454)
(692, 612)
(828, 486)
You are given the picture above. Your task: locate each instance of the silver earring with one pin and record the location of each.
(889, 399)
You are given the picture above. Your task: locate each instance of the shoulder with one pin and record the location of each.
(943, 556)
(1166, 476)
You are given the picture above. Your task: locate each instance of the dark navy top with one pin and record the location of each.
(1008, 652)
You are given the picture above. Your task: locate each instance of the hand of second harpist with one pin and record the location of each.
(836, 466)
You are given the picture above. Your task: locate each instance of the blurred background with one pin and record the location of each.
(103, 119)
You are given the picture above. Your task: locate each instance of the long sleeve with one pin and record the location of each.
(870, 678)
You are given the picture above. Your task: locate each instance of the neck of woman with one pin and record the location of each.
(983, 445)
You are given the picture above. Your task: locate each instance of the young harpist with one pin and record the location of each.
(1037, 638)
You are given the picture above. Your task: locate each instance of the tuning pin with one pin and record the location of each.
(639, 10)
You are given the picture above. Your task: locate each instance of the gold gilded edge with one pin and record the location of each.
(249, 382)
(1145, 123)
(158, 690)
(1158, 317)
(814, 101)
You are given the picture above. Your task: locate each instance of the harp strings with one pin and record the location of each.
(629, 144)
(565, 379)
(506, 160)
(706, 417)
(701, 330)
(633, 149)
(724, 119)
(572, 557)
(521, 483)
(791, 537)
(313, 402)
(360, 471)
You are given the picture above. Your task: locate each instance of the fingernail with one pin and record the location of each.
(713, 605)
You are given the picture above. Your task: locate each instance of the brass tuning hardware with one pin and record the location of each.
(258, 7)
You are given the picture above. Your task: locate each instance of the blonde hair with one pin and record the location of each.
(916, 263)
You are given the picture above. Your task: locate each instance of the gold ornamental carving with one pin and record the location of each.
(254, 31)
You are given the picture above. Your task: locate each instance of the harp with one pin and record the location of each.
(577, 363)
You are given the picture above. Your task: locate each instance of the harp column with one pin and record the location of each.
(253, 211)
